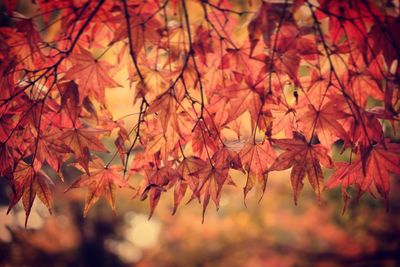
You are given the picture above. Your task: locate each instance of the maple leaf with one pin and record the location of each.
(157, 181)
(323, 121)
(90, 74)
(237, 62)
(185, 179)
(205, 141)
(386, 41)
(289, 42)
(24, 40)
(256, 159)
(143, 25)
(219, 108)
(373, 168)
(211, 181)
(381, 160)
(345, 22)
(366, 129)
(264, 23)
(318, 90)
(27, 184)
(361, 87)
(158, 141)
(244, 98)
(49, 149)
(166, 105)
(227, 158)
(70, 101)
(81, 140)
(345, 174)
(119, 142)
(101, 182)
(304, 158)
(202, 45)
(283, 118)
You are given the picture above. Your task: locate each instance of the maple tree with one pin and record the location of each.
(218, 86)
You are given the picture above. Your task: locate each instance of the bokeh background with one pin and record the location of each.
(270, 232)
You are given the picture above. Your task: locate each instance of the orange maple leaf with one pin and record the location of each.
(305, 158)
(256, 159)
(101, 182)
(186, 168)
(80, 141)
(211, 181)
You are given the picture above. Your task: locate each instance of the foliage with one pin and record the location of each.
(218, 87)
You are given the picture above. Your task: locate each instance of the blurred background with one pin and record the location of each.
(273, 232)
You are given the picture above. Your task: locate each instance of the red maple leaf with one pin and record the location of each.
(90, 74)
(27, 184)
(372, 168)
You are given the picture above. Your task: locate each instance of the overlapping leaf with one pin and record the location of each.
(101, 182)
(305, 159)
(373, 168)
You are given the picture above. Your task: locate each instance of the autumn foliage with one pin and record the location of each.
(256, 87)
